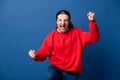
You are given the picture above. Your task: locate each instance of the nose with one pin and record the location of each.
(62, 22)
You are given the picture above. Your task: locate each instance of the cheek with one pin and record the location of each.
(67, 23)
(58, 24)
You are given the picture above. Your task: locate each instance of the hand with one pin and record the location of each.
(91, 15)
(32, 54)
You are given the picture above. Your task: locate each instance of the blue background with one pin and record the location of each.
(25, 23)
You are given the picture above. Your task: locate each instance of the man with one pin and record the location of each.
(65, 46)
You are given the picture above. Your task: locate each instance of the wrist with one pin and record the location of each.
(33, 57)
(92, 20)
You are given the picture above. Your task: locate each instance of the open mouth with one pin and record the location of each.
(62, 25)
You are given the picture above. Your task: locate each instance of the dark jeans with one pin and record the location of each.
(56, 74)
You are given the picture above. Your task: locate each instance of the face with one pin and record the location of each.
(63, 22)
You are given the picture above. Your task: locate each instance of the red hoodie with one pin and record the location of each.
(65, 50)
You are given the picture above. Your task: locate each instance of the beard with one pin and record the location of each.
(63, 28)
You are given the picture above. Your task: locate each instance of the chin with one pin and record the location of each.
(64, 31)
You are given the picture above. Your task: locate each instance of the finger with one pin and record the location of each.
(92, 13)
(89, 13)
(29, 51)
(33, 50)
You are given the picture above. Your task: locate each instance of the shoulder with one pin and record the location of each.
(50, 34)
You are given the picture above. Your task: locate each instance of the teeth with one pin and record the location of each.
(62, 26)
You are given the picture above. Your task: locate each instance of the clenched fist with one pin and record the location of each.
(90, 15)
(32, 54)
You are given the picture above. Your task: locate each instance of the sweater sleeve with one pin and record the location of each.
(45, 49)
(93, 35)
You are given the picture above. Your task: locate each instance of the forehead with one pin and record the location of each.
(62, 16)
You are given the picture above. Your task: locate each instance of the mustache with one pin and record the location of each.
(62, 25)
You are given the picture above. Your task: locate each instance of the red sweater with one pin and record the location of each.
(65, 50)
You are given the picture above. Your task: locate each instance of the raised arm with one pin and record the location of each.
(93, 35)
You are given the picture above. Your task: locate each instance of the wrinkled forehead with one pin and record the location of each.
(63, 16)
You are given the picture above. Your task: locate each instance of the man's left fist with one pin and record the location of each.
(90, 15)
